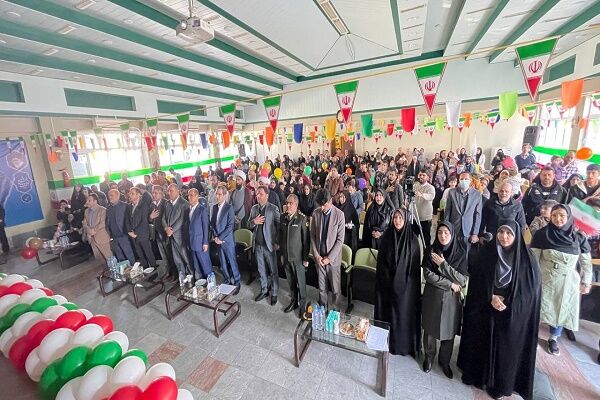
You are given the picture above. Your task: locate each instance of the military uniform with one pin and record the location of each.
(295, 246)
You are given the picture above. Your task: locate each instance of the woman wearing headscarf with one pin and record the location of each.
(398, 285)
(559, 248)
(445, 270)
(78, 200)
(439, 179)
(377, 220)
(480, 159)
(573, 180)
(306, 201)
(350, 219)
(501, 316)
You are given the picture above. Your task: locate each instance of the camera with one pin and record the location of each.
(409, 186)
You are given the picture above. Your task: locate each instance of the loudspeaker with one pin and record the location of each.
(532, 135)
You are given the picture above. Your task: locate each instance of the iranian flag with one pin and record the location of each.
(534, 59)
(429, 78)
(184, 125)
(228, 112)
(346, 93)
(529, 111)
(492, 118)
(596, 100)
(272, 105)
(461, 124)
(587, 218)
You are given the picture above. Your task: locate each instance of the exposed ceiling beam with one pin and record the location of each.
(24, 57)
(486, 26)
(578, 20)
(54, 39)
(170, 22)
(453, 17)
(525, 25)
(397, 28)
(79, 18)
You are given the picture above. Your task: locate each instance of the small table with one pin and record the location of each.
(221, 304)
(304, 334)
(54, 253)
(142, 280)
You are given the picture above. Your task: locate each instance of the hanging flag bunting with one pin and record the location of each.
(461, 124)
(571, 93)
(269, 135)
(529, 111)
(346, 93)
(453, 112)
(367, 125)
(184, 125)
(228, 112)
(290, 139)
(429, 79)
(534, 59)
(467, 120)
(429, 126)
(507, 104)
(492, 118)
(203, 140)
(272, 105)
(408, 119)
(330, 129)
(439, 123)
(559, 107)
(33, 142)
(298, 130)
(124, 127)
(226, 138)
(390, 129)
(596, 100)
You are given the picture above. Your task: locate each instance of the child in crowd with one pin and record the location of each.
(544, 218)
(452, 181)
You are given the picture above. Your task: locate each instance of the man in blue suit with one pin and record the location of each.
(199, 235)
(116, 226)
(221, 225)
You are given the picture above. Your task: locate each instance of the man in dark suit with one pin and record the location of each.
(463, 210)
(160, 236)
(221, 226)
(138, 228)
(264, 221)
(3, 238)
(175, 221)
(116, 226)
(199, 232)
(146, 198)
(295, 246)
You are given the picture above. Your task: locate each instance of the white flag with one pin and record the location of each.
(453, 113)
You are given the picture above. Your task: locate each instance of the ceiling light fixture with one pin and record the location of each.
(447, 3)
(128, 21)
(333, 17)
(65, 30)
(85, 4)
(50, 52)
(91, 61)
(107, 42)
(76, 77)
(37, 71)
(2, 41)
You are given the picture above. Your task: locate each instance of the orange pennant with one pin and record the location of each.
(226, 139)
(467, 120)
(583, 123)
(571, 93)
(269, 135)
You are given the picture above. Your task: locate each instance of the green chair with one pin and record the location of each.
(243, 237)
(362, 277)
(346, 268)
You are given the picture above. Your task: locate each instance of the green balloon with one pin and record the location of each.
(73, 364)
(307, 170)
(11, 316)
(2, 275)
(41, 304)
(50, 382)
(136, 353)
(70, 306)
(372, 180)
(106, 353)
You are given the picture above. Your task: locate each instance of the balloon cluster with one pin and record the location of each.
(32, 245)
(73, 354)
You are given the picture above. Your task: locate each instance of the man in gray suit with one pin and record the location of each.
(463, 210)
(327, 229)
(175, 222)
(264, 221)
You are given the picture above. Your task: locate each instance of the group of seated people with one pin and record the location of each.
(392, 203)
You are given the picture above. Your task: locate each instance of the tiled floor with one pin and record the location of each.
(254, 358)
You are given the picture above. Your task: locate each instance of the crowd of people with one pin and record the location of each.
(304, 210)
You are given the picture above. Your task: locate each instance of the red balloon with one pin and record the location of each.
(19, 352)
(3, 289)
(130, 392)
(163, 388)
(71, 319)
(28, 253)
(48, 291)
(18, 288)
(39, 330)
(103, 322)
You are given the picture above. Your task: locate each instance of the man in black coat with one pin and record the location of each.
(138, 228)
(3, 238)
(116, 226)
(542, 189)
(500, 208)
(159, 234)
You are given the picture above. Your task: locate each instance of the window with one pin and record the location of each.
(560, 70)
(556, 128)
(591, 134)
(169, 107)
(11, 91)
(83, 98)
(597, 54)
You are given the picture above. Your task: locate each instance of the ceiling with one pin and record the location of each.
(262, 45)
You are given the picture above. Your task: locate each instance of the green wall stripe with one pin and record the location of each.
(24, 57)
(116, 176)
(486, 26)
(11, 92)
(396, 19)
(72, 15)
(84, 98)
(166, 20)
(561, 152)
(560, 70)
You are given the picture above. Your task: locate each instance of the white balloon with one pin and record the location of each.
(120, 338)
(88, 314)
(129, 371)
(35, 283)
(31, 295)
(7, 339)
(67, 392)
(53, 312)
(92, 386)
(184, 394)
(6, 302)
(53, 344)
(25, 322)
(12, 279)
(34, 366)
(160, 369)
(87, 335)
(60, 299)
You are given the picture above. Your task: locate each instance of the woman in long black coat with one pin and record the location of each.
(501, 316)
(398, 285)
(350, 220)
(377, 220)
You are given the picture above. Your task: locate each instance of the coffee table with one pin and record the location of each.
(304, 335)
(141, 281)
(54, 253)
(221, 304)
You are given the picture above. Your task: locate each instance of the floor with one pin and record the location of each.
(254, 358)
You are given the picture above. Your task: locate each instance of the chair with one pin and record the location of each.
(243, 241)
(346, 268)
(527, 236)
(362, 277)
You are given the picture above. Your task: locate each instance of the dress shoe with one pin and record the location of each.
(236, 290)
(273, 300)
(291, 307)
(261, 296)
(426, 365)
(570, 335)
(447, 371)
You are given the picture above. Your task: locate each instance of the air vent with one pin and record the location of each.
(85, 4)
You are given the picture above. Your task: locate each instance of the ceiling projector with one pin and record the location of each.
(195, 30)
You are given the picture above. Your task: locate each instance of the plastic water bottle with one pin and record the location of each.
(315, 313)
(321, 318)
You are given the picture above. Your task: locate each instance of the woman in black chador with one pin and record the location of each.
(501, 316)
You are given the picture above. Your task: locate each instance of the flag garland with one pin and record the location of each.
(429, 78)
(228, 112)
(534, 59)
(184, 124)
(346, 94)
(272, 106)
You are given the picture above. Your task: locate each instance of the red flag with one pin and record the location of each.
(408, 119)
(390, 129)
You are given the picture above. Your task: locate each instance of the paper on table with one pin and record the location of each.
(377, 338)
(226, 289)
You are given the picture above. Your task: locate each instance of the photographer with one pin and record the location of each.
(424, 193)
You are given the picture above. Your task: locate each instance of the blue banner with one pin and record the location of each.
(18, 193)
(298, 129)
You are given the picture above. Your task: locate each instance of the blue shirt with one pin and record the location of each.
(525, 162)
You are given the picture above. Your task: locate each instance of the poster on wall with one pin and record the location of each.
(18, 193)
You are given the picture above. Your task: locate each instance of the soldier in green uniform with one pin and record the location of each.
(295, 246)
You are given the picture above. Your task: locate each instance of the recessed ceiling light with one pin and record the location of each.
(228, 28)
(128, 21)
(107, 41)
(14, 14)
(65, 30)
(2, 41)
(91, 61)
(85, 4)
(129, 69)
(37, 71)
(172, 60)
(50, 52)
(76, 77)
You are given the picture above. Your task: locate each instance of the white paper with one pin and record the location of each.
(226, 289)
(377, 338)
